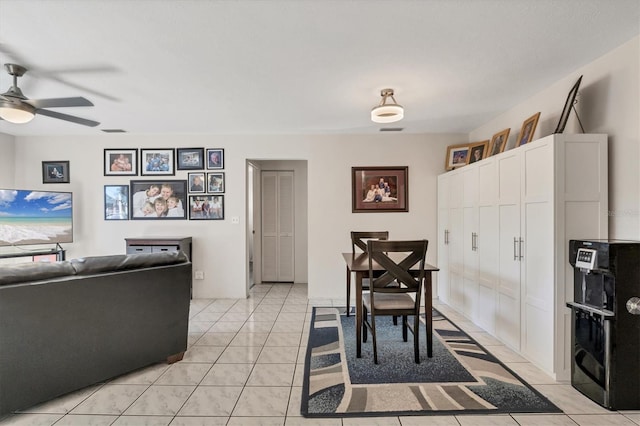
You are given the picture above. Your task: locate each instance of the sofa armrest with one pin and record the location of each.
(36, 271)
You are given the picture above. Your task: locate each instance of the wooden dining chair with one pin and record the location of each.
(359, 239)
(403, 300)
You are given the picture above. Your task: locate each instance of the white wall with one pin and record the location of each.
(608, 102)
(219, 247)
(7, 154)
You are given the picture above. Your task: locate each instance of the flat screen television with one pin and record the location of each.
(35, 217)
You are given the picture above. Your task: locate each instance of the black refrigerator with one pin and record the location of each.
(605, 338)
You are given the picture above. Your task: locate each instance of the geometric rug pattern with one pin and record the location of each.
(462, 377)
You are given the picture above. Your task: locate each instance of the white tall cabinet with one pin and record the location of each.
(504, 226)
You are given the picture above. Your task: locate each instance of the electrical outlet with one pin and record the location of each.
(235, 220)
(199, 275)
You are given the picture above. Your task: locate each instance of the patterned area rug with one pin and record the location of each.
(461, 378)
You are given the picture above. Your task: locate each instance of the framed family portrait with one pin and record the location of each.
(157, 162)
(499, 142)
(380, 189)
(120, 162)
(478, 151)
(158, 199)
(215, 182)
(116, 202)
(215, 158)
(190, 158)
(206, 207)
(457, 156)
(196, 182)
(528, 128)
(55, 172)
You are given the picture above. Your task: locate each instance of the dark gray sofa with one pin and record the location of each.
(67, 325)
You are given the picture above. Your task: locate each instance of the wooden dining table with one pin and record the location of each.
(359, 264)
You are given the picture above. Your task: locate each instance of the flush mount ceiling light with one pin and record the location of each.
(387, 112)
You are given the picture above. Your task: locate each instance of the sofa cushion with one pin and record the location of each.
(36, 271)
(124, 262)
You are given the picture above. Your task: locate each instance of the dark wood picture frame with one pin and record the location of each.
(206, 207)
(55, 172)
(157, 162)
(215, 158)
(190, 158)
(499, 142)
(193, 183)
(528, 129)
(215, 182)
(150, 191)
(568, 105)
(120, 162)
(116, 202)
(380, 189)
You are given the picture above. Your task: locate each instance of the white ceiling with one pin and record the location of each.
(297, 66)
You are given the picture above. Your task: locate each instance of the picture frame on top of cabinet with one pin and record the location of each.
(478, 151)
(457, 156)
(528, 128)
(499, 142)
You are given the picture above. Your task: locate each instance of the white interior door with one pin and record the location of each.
(277, 226)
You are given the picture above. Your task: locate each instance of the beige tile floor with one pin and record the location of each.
(244, 366)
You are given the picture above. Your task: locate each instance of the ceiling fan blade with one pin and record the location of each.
(67, 117)
(59, 102)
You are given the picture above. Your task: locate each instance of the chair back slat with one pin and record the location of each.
(414, 253)
(359, 238)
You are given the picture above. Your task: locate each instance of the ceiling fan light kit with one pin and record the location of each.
(16, 113)
(16, 108)
(387, 112)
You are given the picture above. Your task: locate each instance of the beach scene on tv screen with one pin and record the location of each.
(35, 217)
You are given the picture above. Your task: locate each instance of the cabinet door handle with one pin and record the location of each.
(515, 243)
(474, 241)
(520, 246)
(446, 237)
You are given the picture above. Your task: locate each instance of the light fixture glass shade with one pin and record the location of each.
(17, 114)
(387, 113)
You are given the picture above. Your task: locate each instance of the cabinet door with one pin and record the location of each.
(443, 247)
(538, 254)
(470, 232)
(508, 290)
(487, 244)
(456, 265)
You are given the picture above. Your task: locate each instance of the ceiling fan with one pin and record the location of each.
(17, 108)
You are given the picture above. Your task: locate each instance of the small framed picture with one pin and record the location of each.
(190, 158)
(457, 156)
(196, 182)
(206, 207)
(215, 182)
(478, 151)
(120, 162)
(157, 162)
(528, 128)
(499, 142)
(215, 159)
(116, 202)
(158, 199)
(55, 172)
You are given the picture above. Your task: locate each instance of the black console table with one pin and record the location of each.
(15, 252)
